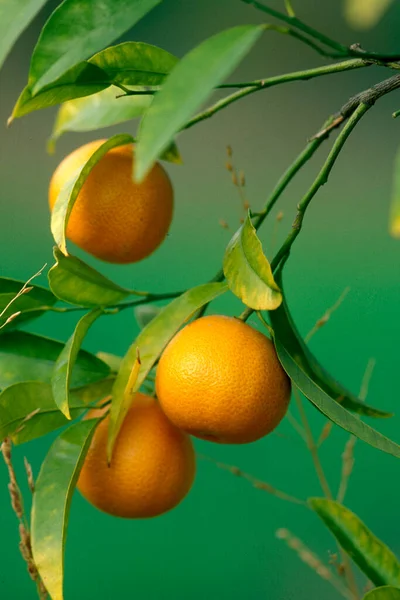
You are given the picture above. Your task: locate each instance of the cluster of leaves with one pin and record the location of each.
(46, 383)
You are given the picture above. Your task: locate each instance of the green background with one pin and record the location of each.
(220, 543)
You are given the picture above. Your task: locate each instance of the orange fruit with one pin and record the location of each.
(114, 218)
(152, 467)
(220, 380)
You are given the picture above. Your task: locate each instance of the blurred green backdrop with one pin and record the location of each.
(220, 543)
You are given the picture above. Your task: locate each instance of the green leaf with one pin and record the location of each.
(14, 17)
(135, 63)
(187, 87)
(32, 304)
(96, 111)
(365, 14)
(373, 557)
(113, 361)
(394, 218)
(28, 357)
(152, 341)
(61, 379)
(286, 332)
(82, 80)
(387, 592)
(51, 502)
(76, 30)
(69, 193)
(146, 313)
(248, 271)
(73, 281)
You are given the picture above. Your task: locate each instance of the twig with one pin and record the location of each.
(313, 561)
(257, 483)
(326, 316)
(24, 290)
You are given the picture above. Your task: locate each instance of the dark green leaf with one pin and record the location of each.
(187, 87)
(61, 379)
(31, 304)
(394, 218)
(68, 194)
(153, 339)
(373, 557)
(135, 63)
(146, 313)
(248, 271)
(76, 30)
(51, 502)
(15, 15)
(113, 361)
(387, 592)
(72, 280)
(286, 332)
(29, 357)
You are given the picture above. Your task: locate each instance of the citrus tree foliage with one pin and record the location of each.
(46, 383)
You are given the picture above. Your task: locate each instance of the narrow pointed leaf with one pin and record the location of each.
(51, 502)
(248, 271)
(14, 18)
(286, 332)
(69, 193)
(146, 313)
(76, 30)
(61, 379)
(387, 592)
(394, 218)
(152, 340)
(187, 87)
(29, 357)
(373, 557)
(73, 281)
(31, 304)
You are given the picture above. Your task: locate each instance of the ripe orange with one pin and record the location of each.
(114, 218)
(219, 379)
(152, 467)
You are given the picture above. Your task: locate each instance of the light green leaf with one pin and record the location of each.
(365, 14)
(69, 193)
(394, 218)
(51, 502)
(248, 271)
(31, 304)
(61, 379)
(76, 30)
(373, 557)
(98, 110)
(146, 313)
(113, 361)
(387, 592)
(15, 15)
(152, 341)
(286, 332)
(187, 87)
(28, 357)
(73, 281)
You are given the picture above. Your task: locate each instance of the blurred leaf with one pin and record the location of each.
(68, 194)
(28, 357)
(152, 340)
(113, 361)
(248, 271)
(72, 280)
(135, 63)
(187, 87)
(171, 154)
(286, 332)
(61, 379)
(28, 411)
(51, 502)
(394, 221)
(31, 304)
(124, 406)
(146, 313)
(76, 30)
(386, 592)
(365, 14)
(373, 557)
(98, 110)
(82, 80)
(15, 15)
